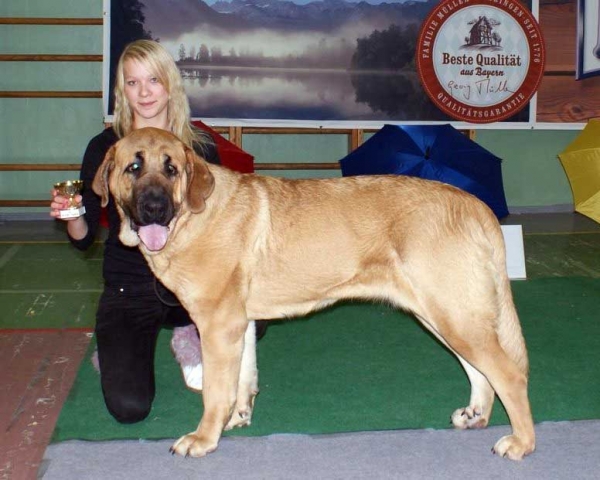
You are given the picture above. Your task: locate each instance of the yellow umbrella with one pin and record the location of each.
(581, 161)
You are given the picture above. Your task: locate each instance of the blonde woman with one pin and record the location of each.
(134, 305)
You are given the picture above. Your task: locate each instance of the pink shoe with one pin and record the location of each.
(185, 345)
(95, 361)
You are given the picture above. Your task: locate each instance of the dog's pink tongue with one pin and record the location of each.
(154, 236)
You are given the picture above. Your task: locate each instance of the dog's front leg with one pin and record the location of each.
(222, 340)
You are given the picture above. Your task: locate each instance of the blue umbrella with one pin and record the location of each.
(433, 152)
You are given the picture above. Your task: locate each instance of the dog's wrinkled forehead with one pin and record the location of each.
(151, 147)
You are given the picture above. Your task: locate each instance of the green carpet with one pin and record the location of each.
(367, 367)
(49, 285)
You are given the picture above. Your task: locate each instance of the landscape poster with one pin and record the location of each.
(305, 62)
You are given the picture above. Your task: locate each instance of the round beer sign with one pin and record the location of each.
(480, 61)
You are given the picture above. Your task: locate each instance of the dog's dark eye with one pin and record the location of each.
(136, 165)
(170, 169)
(133, 168)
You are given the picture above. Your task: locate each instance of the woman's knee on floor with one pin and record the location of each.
(128, 408)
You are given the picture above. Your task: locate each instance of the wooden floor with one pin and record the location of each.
(39, 365)
(38, 369)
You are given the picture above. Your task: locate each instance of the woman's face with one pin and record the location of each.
(147, 97)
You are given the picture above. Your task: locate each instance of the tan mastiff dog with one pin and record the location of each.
(237, 248)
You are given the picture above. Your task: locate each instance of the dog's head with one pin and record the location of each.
(152, 177)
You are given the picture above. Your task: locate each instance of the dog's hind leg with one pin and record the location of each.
(248, 383)
(479, 411)
(511, 386)
(488, 365)
(510, 383)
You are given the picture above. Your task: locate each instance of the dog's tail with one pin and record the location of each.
(508, 327)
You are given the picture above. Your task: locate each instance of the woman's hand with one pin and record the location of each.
(77, 226)
(60, 202)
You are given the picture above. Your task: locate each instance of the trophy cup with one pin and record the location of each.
(69, 189)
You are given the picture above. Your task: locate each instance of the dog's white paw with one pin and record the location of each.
(242, 415)
(193, 445)
(240, 418)
(513, 448)
(469, 417)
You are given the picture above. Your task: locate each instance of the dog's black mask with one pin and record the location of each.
(152, 206)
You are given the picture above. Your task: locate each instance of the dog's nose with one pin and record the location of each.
(153, 210)
(154, 207)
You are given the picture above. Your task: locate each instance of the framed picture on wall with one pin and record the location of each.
(588, 38)
(314, 63)
(245, 64)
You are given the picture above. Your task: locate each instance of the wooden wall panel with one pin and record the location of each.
(559, 27)
(565, 100)
(562, 98)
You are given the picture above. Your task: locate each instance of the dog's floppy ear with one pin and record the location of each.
(100, 183)
(201, 182)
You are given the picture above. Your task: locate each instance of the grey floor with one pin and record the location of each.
(566, 450)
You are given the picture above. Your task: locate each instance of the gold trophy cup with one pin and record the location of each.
(70, 188)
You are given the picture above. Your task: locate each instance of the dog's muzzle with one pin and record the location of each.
(153, 205)
(152, 214)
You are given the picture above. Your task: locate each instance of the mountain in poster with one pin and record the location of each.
(169, 18)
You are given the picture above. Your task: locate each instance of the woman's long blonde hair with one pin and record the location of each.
(157, 60)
